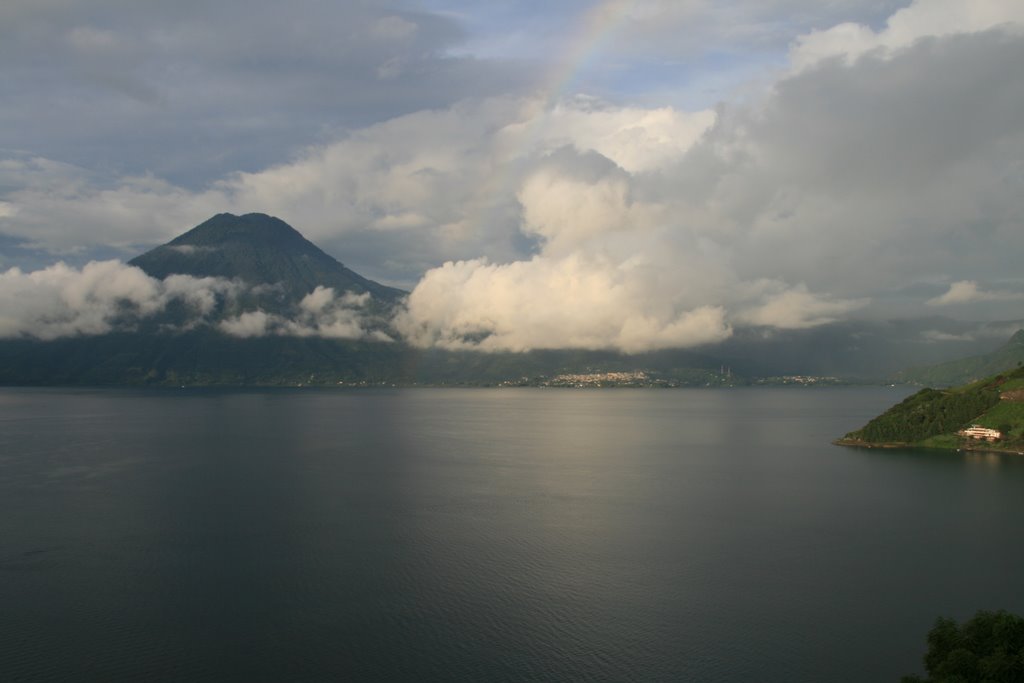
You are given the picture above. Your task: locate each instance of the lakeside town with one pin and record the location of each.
(651, 379)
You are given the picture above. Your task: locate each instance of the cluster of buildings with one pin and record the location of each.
(803, 380)
(600, 379)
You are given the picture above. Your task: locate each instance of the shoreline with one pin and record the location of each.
(987, 448)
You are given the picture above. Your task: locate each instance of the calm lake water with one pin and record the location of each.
(487, 535)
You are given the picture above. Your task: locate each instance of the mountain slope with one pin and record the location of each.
(871, 350)
(258, 249)
(1009, 355)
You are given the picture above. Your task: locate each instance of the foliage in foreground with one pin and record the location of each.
(988, 648)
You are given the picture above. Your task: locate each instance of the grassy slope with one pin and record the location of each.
(931, 417)
(1005, 413)
(1013, 385)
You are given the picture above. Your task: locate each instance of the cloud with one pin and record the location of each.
(921, 19)
(884, 153)
(796, 308)
(61, 301)
(968, 292)
(660, 35)
(394, 199)
(248, 324)
(637, 139)
(204, 90)
(106, 296)
(66, 209)
(845, 180)
(995, 331)
(572, 302)
(940, 336)
(322, 313)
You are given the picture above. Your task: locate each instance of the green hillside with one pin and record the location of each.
(951, 373)
(932, 417)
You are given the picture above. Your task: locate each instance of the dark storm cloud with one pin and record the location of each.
(909, 163)
(191, 91)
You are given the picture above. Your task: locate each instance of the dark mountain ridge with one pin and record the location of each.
(960, 371)
(258, 249)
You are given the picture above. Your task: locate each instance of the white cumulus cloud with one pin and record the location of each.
(63, 301)
(322, 313)
(107, 296)
(968, 292)
(572, 302)
(796, 308)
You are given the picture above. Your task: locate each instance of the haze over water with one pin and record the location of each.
(700, 535)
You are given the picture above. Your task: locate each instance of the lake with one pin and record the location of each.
(487, 535)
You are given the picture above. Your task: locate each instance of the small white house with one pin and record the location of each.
(979, 432)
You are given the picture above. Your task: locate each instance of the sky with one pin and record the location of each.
(629, 174)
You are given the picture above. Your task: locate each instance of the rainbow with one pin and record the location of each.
(595, 29)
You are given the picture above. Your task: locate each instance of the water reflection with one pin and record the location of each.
(986, 459)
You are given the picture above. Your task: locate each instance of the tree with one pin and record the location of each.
(988, 648)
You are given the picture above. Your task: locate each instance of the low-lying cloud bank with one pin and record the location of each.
(541, 304)
(108, 296)
(62, 301)
(322, 313)
(550, 303)
(583, 301)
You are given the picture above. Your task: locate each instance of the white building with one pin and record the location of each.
(979, 432)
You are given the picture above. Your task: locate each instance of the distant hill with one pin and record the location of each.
(199, 357)
(258, 249)
(204, 356)
(871, 350)
(932, 417)
(1009, 355)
